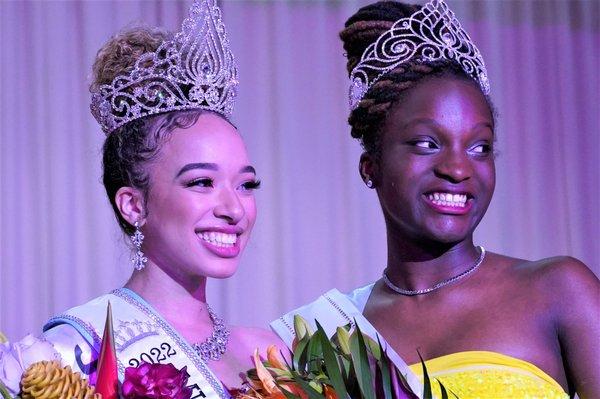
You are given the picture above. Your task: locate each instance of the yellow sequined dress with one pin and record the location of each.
(487, 375)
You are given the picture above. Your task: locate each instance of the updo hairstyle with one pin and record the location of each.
(129, 149)
(361, 30)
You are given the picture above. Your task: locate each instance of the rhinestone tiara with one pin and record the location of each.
(194, 70)
(432, 33)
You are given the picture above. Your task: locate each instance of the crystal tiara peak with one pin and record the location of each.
(194, 70)
(431, 33)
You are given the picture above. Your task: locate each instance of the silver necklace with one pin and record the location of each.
(214, 346)
(441, 284)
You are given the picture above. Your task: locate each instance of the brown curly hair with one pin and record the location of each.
(362, 29)
(128, 150)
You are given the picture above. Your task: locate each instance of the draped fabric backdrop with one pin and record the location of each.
(318, 225)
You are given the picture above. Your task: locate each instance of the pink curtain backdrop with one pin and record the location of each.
(318, 225)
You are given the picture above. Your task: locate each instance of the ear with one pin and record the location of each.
(368, 170)
(130, 202)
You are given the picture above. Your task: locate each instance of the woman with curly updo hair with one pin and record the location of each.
(487, 325)
(178, 177)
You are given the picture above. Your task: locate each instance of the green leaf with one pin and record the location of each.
(443, 390)
(287, 393)
(299, 356)
(4, 391)
(373, 347)
(331, 363)
(314, 355)
(426, 381)
(361, 364)
(384, 364)
(310, 391)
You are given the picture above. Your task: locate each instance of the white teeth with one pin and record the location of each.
(448, 199)
(219, 239)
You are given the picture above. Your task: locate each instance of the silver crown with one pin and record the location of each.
(430, 34)
(195, 69)
(130, 332)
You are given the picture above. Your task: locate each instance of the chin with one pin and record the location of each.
(222, 270)
(448, 236)
(221, 275)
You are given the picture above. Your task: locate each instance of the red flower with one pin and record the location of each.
(156, 381)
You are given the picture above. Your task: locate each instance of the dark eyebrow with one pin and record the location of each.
(200, 165)
(248, 169)
(211, 166)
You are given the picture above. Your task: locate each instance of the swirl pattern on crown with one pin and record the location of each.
(430, 34)
(194, 70)
(130, 332)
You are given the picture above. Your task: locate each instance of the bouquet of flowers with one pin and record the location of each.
(349, 365)
(47, 379)
(31, 369)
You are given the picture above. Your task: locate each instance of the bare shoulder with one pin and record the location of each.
(567, 274)
(556, 272)
(255, 337)
(559, 283)
(570, 286)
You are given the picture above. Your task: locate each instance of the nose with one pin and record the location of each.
(454, 166)
(229, 206)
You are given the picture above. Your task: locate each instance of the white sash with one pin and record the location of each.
(334, 309)
(141, 334)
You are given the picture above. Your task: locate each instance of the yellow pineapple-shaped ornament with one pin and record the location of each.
(48, 380)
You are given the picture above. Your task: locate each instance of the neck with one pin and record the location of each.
(416, 264)
(169, 296)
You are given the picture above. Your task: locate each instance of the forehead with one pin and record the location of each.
(447, 100)
(210, 139)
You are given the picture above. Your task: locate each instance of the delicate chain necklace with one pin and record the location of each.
(214, 346)
(441, 284)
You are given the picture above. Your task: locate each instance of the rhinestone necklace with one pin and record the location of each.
(214, 346)
(441, 284)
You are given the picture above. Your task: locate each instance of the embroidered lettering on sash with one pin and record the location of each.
(157, 354)
(196, 391)
(86, 368)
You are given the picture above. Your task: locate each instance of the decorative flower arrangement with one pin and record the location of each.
(349, 365)
(156, 381)
(49, 380)
(17, 357)
(31, 369)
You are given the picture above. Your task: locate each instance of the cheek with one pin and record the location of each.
(250, 210)
(488, 176)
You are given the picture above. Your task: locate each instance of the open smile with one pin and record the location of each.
(223, 242)
(449, 203)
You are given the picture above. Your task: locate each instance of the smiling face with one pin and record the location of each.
(200, 205)
(436, 175)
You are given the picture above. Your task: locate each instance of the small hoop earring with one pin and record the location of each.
(137, 238)
(369, 183)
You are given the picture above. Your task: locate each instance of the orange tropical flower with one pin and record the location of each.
(330, 393)
(273, 357)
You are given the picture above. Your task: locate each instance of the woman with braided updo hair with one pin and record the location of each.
(487, 325)
(178, 177)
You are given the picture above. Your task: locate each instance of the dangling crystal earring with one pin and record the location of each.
(137, 238)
